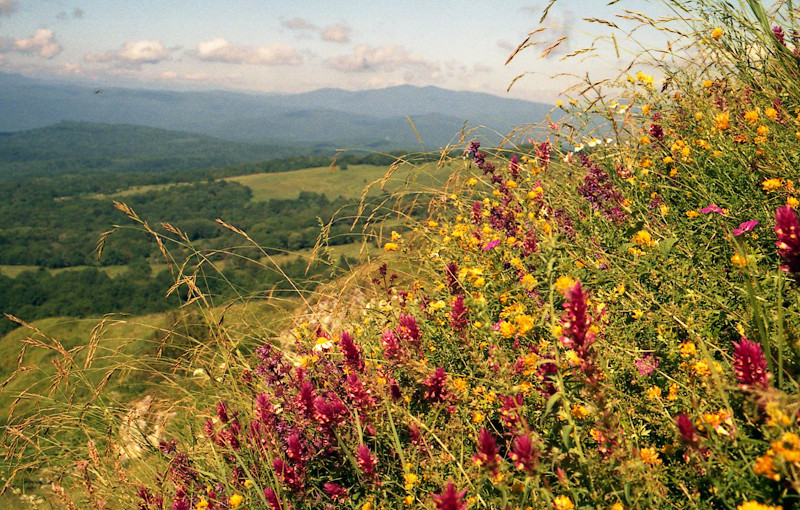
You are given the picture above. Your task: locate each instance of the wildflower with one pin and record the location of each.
(522, 454)
(580, 411)
(617, 506)
(650, 456)
(491, 244)
(647, 364)
(272, 499)
(754, 505)
(739, 260)
(236, 500)
(654, 393)
(692, 214)
(563, 503)
(390, 246)
(366, 461)
(644, 239)
(747, 226)
(688, 349)
(487, 454)
(751, 117)
(712, 208)
(351, 351)
(772, 113)
(563, 284)
(686, 430)
(750, 365)
(335, 491)
(646, 109)
(772, 184)
(787, 229)
(792, 202)
(450, 499)
(524, 323)
(458, 314)
(762, 130)
(722, 121)
(435, 384)
(716, 33)
(528, 282)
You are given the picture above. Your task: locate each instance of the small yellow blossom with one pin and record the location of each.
(739, 260)
(716, 33)
(771, 184)
(472, 181)
(751, 117)
(654, 393)
(390, 246)
(772, 113)
(702, 368)
(248, 484)
(692, 214)
(563, 284)
(646, 109)
(507, 329)
(722, 121)
(644, 239)
(579, 411)
(236, 500)
(699, 115)
(202, 504)
(617, 506)
(478, 417)
(688, 349)
(707, 84)
(754, 505)
(563, 503)
(762, 130)
(650, 456)
(408, 501)
(673, 392)
(792, 202)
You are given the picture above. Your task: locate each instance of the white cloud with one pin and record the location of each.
(298, 24)
(337, 33)
(382, 58)
(42, 43)
(7, 7)
(222, 50)
(135, 52)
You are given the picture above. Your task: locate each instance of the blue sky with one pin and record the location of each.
(295, 46)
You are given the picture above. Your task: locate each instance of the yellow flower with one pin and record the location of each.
(751, 117)
(563, 284)
(722, 121)
(644, 239)
(617, 506)
(654, 393)
(507, 329)
(472, 181)
(579, 411)
(559, 103)
(646, 109)
(248, 484)
(637, 314)
(792, 202)
(478, 417)
(754, 505)
(390, 246)
(524, 323)
(410, 480)
(563, 503)
(771, 184)
(408, 501)
(528, 282)
(668, 160)
(688, 349)
(650, 456)
(762, 130)
(699, 115)
(644, 140)
(236, 500)
(433, 224)
(701, 368)
(772, 113)
(706, 84)
(738, 260)
(716, 33)
(673, 392)
(202, 504)
(692, 214)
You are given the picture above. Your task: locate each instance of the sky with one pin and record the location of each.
(287, 46)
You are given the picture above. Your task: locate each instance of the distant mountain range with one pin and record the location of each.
(372, 119)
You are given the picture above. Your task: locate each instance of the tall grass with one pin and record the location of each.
(605, 318)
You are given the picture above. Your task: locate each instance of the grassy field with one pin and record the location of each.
(112, 271)
(348, 183)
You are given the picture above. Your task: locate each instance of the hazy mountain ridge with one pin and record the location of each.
(368, 118)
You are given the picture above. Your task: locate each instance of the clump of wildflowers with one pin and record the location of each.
(750, 365)
(787, 229)
(450, 499)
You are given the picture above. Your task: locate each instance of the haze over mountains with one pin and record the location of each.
(374, 119)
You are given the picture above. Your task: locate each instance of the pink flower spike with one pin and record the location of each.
(712, 208)
(747, 226)
(491, 244)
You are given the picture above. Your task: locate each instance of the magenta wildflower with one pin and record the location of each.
(647, 364)
(509, 413)
(513, 167)
(787, 229)
(295, 447)
(543, 153)
(522, 453)
(181, 504)
(687, 431)
(451, 277)
(458, 315)
(491, 244)
(450, 499)
(600, 191)
(408, 330)
(222, 412)
(292, 476)
(750, 365)
(330, 412)
(747, 226)
(366, 461)
(306, 395)
(272, 499)
(264, 409)
(487, 454)
(779, 35)
(391, 346)
(351, 351)
(712, 208)
(358, 394)
(335, 491)
(435, 384)
(576, 322)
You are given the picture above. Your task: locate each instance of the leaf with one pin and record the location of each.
(566, 430)
(551, 402)
(666, 245)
